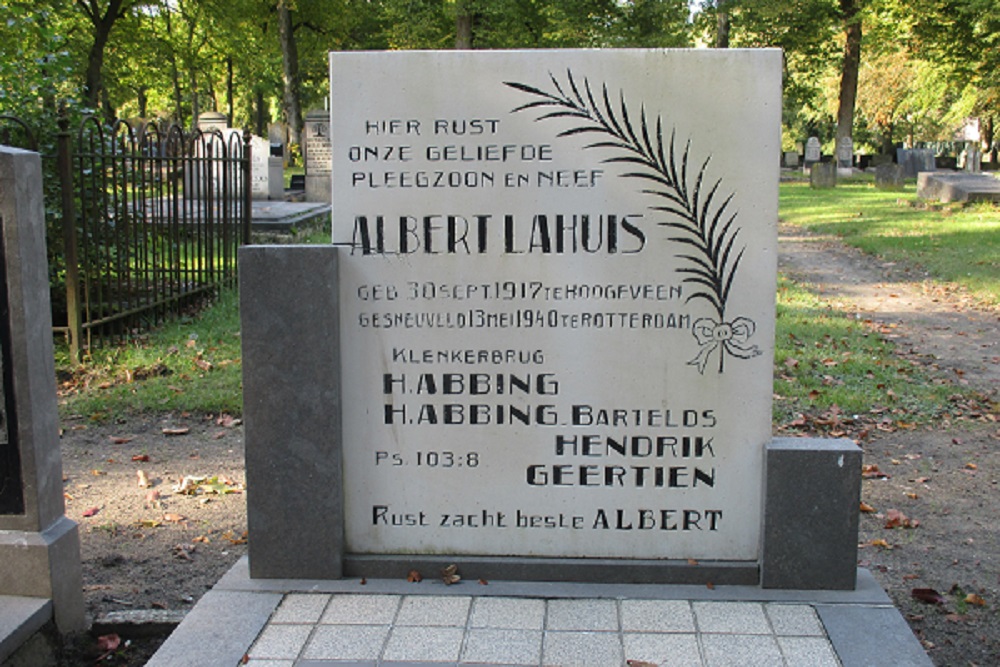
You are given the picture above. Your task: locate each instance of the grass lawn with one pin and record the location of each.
(953, 243)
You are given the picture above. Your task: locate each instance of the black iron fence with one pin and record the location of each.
(149, 219)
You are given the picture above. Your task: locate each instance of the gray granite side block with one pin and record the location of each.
(812, 495)
(291, 408)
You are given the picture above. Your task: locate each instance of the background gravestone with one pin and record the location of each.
(845, 156)
(823, 175)
(889, 176)
(266, 176)
(318, 156)
(812, 154)
(39, 546)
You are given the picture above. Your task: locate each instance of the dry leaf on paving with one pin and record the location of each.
(865, 507)
(141, 458)
(450, 575)
(91, 511)
(977, 600)
(180, 430)
(640, 663)
(173, 518)
(121, 439)
(414, 577)
(143, 479)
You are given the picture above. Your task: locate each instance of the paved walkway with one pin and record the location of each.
(279, 623)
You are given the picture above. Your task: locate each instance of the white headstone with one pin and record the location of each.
(812, 150)
(557, 300)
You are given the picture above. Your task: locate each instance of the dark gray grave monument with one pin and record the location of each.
(889, 176)
(317, 155)
(39, 546)
(950, 186)
(517, 354)
(823, 175)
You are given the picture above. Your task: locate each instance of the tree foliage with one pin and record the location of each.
(922, 66)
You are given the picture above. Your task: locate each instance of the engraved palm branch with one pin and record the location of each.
(702, 220)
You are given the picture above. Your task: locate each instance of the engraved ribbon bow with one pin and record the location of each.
(731, 337)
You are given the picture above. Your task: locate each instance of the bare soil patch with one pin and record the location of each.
(936, 487)
(142, 552)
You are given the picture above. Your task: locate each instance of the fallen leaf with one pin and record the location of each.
(91, 511)
(450, 575)
(151, 523)
(234, 539)
(184, 551)
(865, 507)
(871, 471)
(709, 585)
(971, 466)
(363, 581)
(640, 663)
(141, 458)
(912, 496)
(483, 582)
(180, 430)
(202, 539)
(202, 364)
(977, 600)
(173, 518)
(928, 595)
(881, 543)
(143, 479)
(120, 440)
(896, 519)
(414, 577)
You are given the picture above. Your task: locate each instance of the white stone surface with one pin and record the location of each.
(532, 365)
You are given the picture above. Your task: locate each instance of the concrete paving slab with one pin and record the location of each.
(218, 631)
(741, 651)
(657, 616)
(582, 649)
(499, 646)
(301, 608)
(448, 628)
(807, 652)
(871, 636)
(21, 617)
(347, 642)
(591, 615)
(508, 614)
(434, 611)
(361, 609)
(427, 644)
(676, 650)
(794, 619)
(743, 618)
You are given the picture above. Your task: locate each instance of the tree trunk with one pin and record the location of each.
(722, 24)
(463, 26)
(102, 24)
(849, 69)
(290, 73)
(229, 90)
